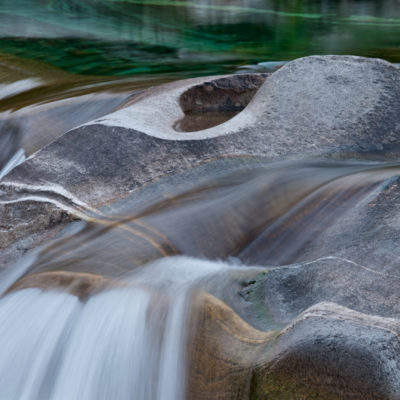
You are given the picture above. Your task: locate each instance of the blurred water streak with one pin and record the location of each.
(123, 343)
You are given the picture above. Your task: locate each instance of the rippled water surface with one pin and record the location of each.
(204, 36)
(113, 37)
(119, 326)
(110, 307)
(65, 62)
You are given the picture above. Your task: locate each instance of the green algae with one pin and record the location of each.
(253, 293)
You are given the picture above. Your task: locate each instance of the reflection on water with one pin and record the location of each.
(110, 311)
(117, 329)
(192, 122)
(259, 212)
(63, 63)
(39, 102)
(193, 37)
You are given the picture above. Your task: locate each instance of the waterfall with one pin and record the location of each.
(126, 342)
(96, 314)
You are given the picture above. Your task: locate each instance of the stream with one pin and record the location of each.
(108, 309)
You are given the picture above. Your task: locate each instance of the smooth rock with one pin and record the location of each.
(230, 203)
(281, 294)
(314, 105)
(303, 108)
(327, 352)
(366, 231)
(331, 352)
(311, 105)
(331, 105)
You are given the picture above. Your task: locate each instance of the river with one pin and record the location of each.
(107, 311)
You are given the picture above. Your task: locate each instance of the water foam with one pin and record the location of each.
(124, 343)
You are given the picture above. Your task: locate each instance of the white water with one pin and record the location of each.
(14, 161)
(14, 88)
(127, 342)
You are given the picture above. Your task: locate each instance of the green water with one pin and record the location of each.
(189, 38)
(66, 62)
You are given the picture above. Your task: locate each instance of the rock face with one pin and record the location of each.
(327, 352)
(368, 233)
(332, 103)
(331, 317)
(311, 106)
(330, 352)
(350, 259)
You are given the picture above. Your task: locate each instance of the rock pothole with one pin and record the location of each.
(214, 102)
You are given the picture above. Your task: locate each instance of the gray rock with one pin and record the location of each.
(26, 224)
(331, 105)
(342, 246)
(330, 352)
(310, 106)
(368, 233)
(229, 201)
(365, 230)
(286, 292)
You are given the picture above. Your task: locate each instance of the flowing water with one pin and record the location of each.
(106, 310)
(65, 62)
(125, 342)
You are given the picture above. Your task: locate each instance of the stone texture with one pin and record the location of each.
(331, 103)
(25, 225)
(366, 229)
(330, 352)
(231, 204)
(232, 93)
(339, 296)
(303, 108)
(286, 292)
(223, 350)
(368, 233)
(313, 105)
(327, 352)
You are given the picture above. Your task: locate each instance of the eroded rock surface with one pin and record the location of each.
(327, 352)
(310, 106)
(339, 297)
(330, 352)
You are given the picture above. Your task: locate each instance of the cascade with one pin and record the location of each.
(107, 311)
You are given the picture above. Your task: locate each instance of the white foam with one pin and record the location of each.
(124, 343)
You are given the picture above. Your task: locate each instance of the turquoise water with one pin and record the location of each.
(189, 38)
(66, 62)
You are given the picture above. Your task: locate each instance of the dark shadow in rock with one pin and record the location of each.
(215, 102)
